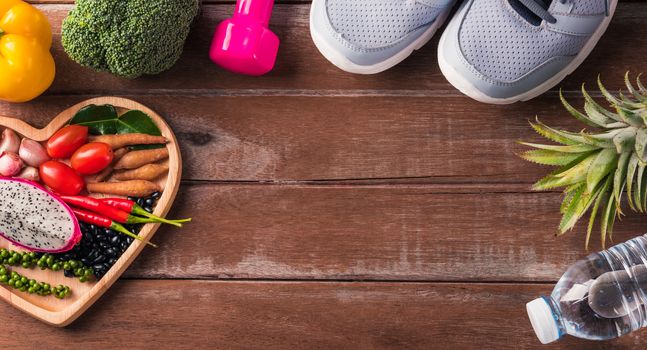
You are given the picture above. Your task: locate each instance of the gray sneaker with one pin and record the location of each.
(370, 36)
(503, 51)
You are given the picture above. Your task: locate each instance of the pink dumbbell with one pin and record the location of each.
(243, 43)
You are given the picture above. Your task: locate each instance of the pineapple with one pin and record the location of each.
(595, 168)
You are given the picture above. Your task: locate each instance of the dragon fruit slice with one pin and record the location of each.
(35, 219)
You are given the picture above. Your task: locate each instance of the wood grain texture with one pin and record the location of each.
(305, 138)
(302, 70)
(407, 232)
(315, 175)
(280, 315)
(62, 312)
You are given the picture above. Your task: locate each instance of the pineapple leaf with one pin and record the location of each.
(599, 109)
(559, 136)
(574, 210)
(569, 193)
(640, 85)
(625, 140)
(608, 217)
(607, 95)
(638, 190)
(581, 148)
(629, 104)
(641, 143)
(631, 172)
(597, 115)
(604, 140)
(546, 157)
(605, 162)
(636, 94)
(643, 191)
(567, 175)
(620, 177)
(629, 117)
(580, 202)
(577, 114)
(594, 212)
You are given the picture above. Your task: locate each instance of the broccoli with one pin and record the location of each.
(128, 37)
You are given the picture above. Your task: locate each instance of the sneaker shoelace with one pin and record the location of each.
(539, 8)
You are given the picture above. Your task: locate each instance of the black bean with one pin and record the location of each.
(111, 253)
(156, 195)
(148, 209)
(115, 240)
(68, 273)
(112, 261)
(140, 202)
(100, 259)
(149, 202)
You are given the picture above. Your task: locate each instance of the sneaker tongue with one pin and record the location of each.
(526, 13)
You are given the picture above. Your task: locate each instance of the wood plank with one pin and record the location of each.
(412, 232)
(280, 315)
(271, 138)
(301, 69)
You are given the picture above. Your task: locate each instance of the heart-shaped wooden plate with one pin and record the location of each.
(61, 312)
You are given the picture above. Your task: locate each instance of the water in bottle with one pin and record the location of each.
(601, 297)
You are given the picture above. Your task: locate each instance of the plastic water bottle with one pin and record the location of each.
(600, 297)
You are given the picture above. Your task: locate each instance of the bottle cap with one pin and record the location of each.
(543, 321)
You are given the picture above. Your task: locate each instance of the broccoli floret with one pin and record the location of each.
(128, 37)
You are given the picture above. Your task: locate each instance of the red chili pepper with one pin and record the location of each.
(133, 208)
(102, 221)
(111, 212)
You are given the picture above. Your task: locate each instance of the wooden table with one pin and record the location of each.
(336, 211)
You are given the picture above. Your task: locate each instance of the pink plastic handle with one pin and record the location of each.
(259, 10)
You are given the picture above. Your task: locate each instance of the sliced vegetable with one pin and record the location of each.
(135, 188)
(124, 140)
(10, 141)
(92, 158)
(10, 164)
(136, 159)
(146, 172)
(102, 221)
(32, 153)
(133, 208)
(61, 178)
(111, 212)
(67, 140)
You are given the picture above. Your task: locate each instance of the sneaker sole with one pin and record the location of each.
(470, 90)
(347, 65)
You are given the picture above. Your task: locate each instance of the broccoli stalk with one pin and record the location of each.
(128, 38)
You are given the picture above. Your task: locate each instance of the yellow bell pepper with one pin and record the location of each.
(26, 64)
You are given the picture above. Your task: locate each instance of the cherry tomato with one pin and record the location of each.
(92, 157)
(67, 140)
(61, 178)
